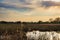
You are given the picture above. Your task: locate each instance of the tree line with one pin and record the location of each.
(51, 21)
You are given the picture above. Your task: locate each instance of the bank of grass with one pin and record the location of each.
(29, 27)
(18, 31)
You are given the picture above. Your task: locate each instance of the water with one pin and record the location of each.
(38, 35)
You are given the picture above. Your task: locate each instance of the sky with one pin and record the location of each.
(29, 10)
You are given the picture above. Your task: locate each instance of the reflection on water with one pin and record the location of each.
(38, 35)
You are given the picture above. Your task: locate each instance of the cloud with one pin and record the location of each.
(6, 6)
(18, 5)
(2, 5)
(9, 15)
(40, 11)
(25, 3)
(49, 3)
(28, 10)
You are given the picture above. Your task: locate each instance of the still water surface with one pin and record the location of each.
(38, 35)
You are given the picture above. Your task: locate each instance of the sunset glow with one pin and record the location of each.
(29, 10)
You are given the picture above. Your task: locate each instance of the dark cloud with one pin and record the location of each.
(2, 5)
(22, 0)
(49, 3)
(6, 6)
(25, 2)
